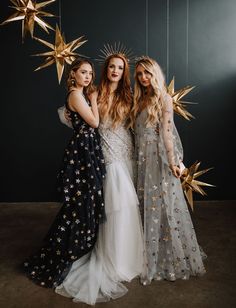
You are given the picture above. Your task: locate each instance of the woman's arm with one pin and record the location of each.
(167, 126)
(78, 103)
(94, 106)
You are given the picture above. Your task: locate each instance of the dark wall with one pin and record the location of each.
(192, 40)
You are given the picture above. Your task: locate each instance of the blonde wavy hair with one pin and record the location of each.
(121, 105)
(154, 98)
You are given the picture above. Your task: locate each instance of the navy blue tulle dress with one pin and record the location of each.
(75, 228)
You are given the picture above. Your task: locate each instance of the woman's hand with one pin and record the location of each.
(93, 97)
(175, 170)
(67, 115)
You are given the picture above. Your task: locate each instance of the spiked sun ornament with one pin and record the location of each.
(190, 184)
(61, 53)
(179, 105)
(118, 48)
(29, 12)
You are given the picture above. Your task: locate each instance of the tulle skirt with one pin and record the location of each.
(118, 253)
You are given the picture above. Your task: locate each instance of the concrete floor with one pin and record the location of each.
(23, 225)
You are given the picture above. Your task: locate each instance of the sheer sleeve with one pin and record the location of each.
(61, 114)
(167, 129)
(170, 143)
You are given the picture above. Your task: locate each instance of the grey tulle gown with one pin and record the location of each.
(171, 247)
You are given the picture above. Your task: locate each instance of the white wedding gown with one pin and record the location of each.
(118, 253)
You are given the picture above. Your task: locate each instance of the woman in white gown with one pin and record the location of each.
(118, 253)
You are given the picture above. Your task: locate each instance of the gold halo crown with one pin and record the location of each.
(117, 48)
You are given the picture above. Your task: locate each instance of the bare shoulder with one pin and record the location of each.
(75, 99)
(76, 95)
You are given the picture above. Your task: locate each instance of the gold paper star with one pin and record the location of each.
(190, 184)
(29, 12)
(61, 52)
(178, 105)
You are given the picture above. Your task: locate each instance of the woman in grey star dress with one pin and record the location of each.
(171, 247)
(118, 253)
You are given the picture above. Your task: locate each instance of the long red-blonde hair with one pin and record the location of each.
(121, 105)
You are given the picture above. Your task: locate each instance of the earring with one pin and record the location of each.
(73, 83)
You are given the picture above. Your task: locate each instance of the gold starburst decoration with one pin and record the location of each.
(190, 184)
(30, 13)
(61, 53)
(179, 105)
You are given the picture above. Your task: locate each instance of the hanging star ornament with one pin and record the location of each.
(179, 105)
(30, 13)
(61, 52)
(190, 184)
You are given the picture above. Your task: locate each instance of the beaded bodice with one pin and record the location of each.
(116, 142)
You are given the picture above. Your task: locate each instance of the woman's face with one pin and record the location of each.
(144, 77)
(83, 75)
(115, 69)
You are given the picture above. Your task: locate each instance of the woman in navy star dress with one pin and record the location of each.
(74, 231)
